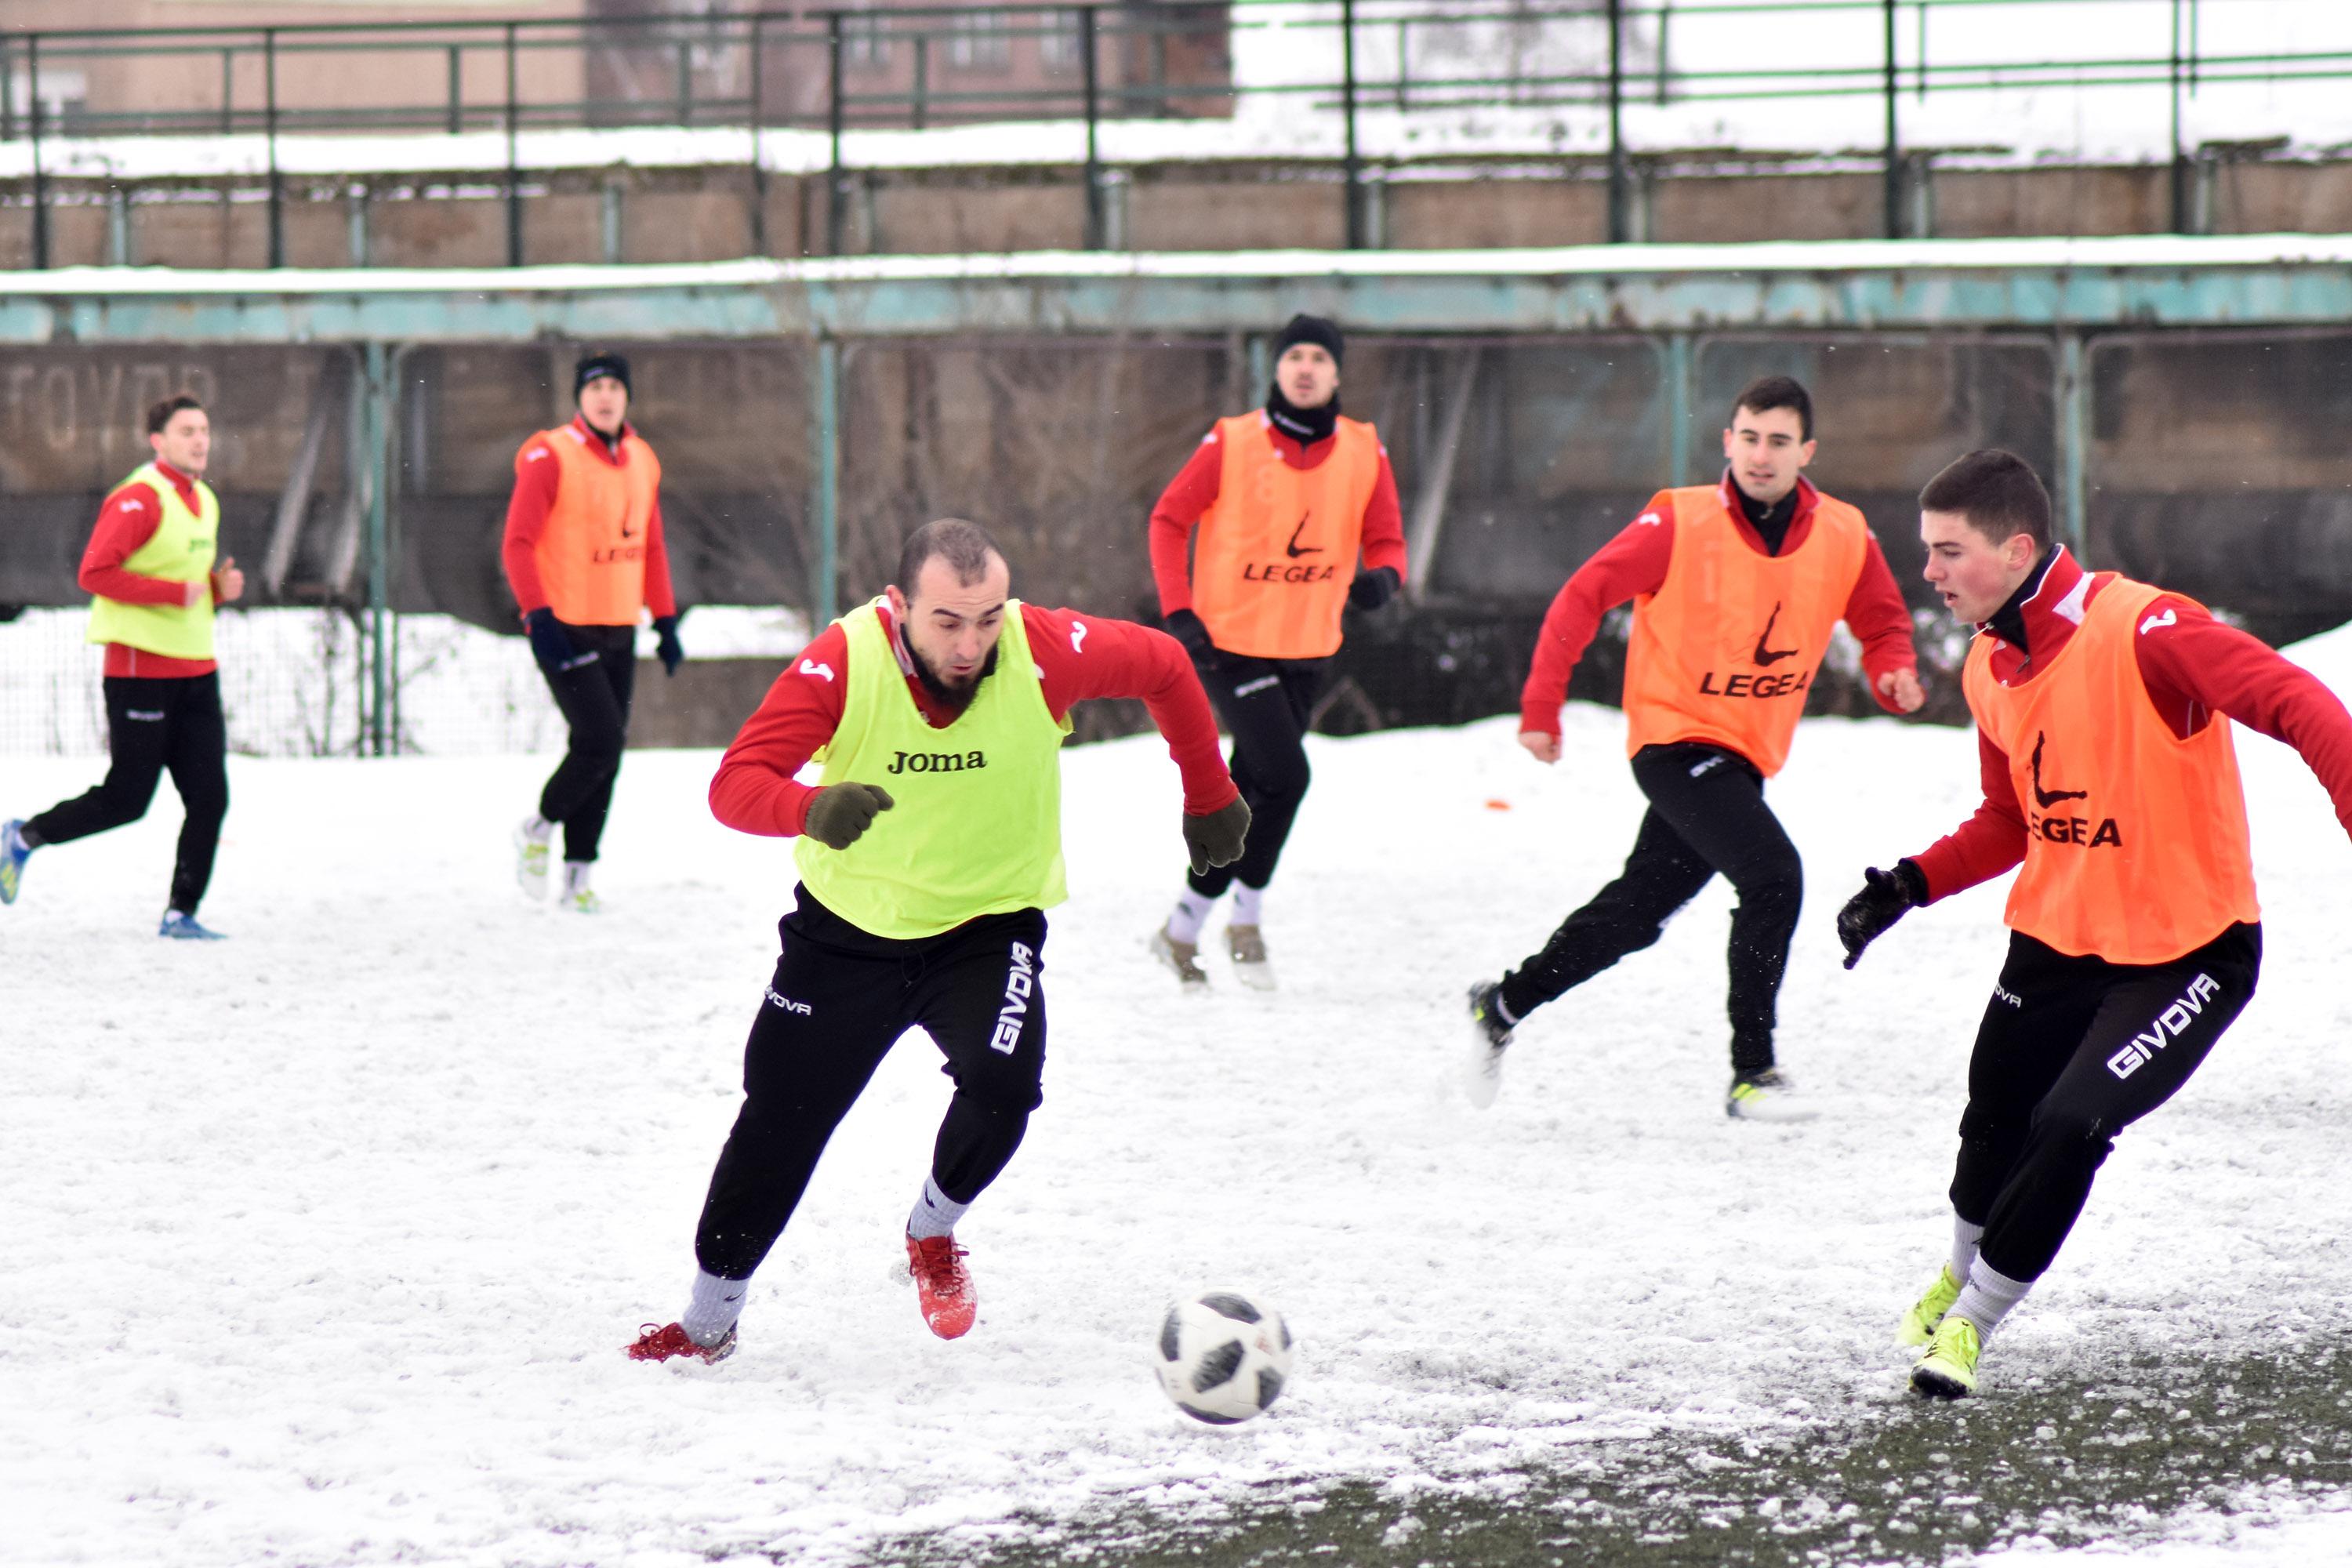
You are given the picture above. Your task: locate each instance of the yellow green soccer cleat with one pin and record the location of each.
(1919, 1323)
(1948, 1370)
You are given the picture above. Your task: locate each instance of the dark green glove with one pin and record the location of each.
(1216, 839)
(838, 814)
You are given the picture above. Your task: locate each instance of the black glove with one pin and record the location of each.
(671, 651)
(1886, 898)
(838, 814)
(1216, 839)
(1186, 628)
(548, 643)
(1373, 589)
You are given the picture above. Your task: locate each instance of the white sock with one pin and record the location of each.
(16, 838)
(575, 877)
(1249, 904)
(537, 828)
(934, 1214)
(1190, 913)
(1965, 1237)
(1988, 1298)
(716, 1305)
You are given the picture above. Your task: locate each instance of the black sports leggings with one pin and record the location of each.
(840, 1000)
(2072, 1051)
(1266, 704)
(152, 726)
(1707, 814)
(595, 698)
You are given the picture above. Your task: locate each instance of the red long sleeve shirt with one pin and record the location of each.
(1078, 656)
(2195, 669)
(1195, 489)
(1635, 563)
(536, 476)
(127, 522)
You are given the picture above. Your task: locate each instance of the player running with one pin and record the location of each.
(2134, 939)
(928, 855)
(584, 555)
(1285, 499)
(1736, 586)
(151, 570)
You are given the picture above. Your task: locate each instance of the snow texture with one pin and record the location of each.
(324, 1241)
(1812, 81)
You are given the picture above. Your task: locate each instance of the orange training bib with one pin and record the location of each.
(591, 552)
(2137, 848)
(1278, 550)
(1726, 649)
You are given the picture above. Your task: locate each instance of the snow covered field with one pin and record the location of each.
(324, 1241)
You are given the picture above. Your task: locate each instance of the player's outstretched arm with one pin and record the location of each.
(1632, 563)
(1988, 844)
(754, 790)
(1080, 656)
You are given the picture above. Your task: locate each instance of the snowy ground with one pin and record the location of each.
(324, 1241)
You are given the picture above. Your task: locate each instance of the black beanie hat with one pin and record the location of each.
(1314, 330)
(604, 362)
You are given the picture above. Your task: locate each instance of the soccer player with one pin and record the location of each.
(1285, 498)
(1736, 586)
(928, 855)
(2102, 708)
(583, 552)
(150, 572)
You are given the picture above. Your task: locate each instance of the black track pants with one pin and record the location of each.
(595, 698)
(2072, 1051)
(840, 999)
(151, 726)
(1266, 704)
(1707, 814)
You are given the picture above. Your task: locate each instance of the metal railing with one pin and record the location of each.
(843, 70)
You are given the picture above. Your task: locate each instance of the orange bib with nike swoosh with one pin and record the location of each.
(1726, 649)
(591, 552)
(1278, 548)
(2137, 847)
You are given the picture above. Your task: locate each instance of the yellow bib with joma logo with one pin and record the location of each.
(181, 551)
(975, 825)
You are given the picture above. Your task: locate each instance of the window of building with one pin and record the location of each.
(980, 40)
(865, 44)
(1062, 46)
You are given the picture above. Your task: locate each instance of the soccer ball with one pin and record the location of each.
(1222, 1356)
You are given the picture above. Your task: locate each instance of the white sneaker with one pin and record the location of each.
(530, 858)
(1766, 1096)
(583, 903)
(1490, 1036)
(1183, 958)
(1246, 946)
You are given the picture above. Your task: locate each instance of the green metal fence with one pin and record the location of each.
(842, 71)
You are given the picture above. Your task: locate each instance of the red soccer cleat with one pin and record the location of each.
(942, 1285)
(661, 1344)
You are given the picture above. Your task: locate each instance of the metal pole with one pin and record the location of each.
(456, 91)
(835, 197)
(1355, 166)
(270, 135)
(759, 162)
(2180, 223)
(1893, 193)
(1678, 409)
(376, 429)
(1621, 221)
(40, 176)
(828, 481)
(922, 94)
(228, 91)
(7, 94)
(514, 173)
(1093, 159)
(2074, 439)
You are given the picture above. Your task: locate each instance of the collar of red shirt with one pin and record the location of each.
(2054, 612)
(617, 454)
(180, 482)
(1799, 525)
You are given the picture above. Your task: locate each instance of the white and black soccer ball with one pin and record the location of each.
(1223, 1356)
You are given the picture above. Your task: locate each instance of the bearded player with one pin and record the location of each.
(929, 853)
